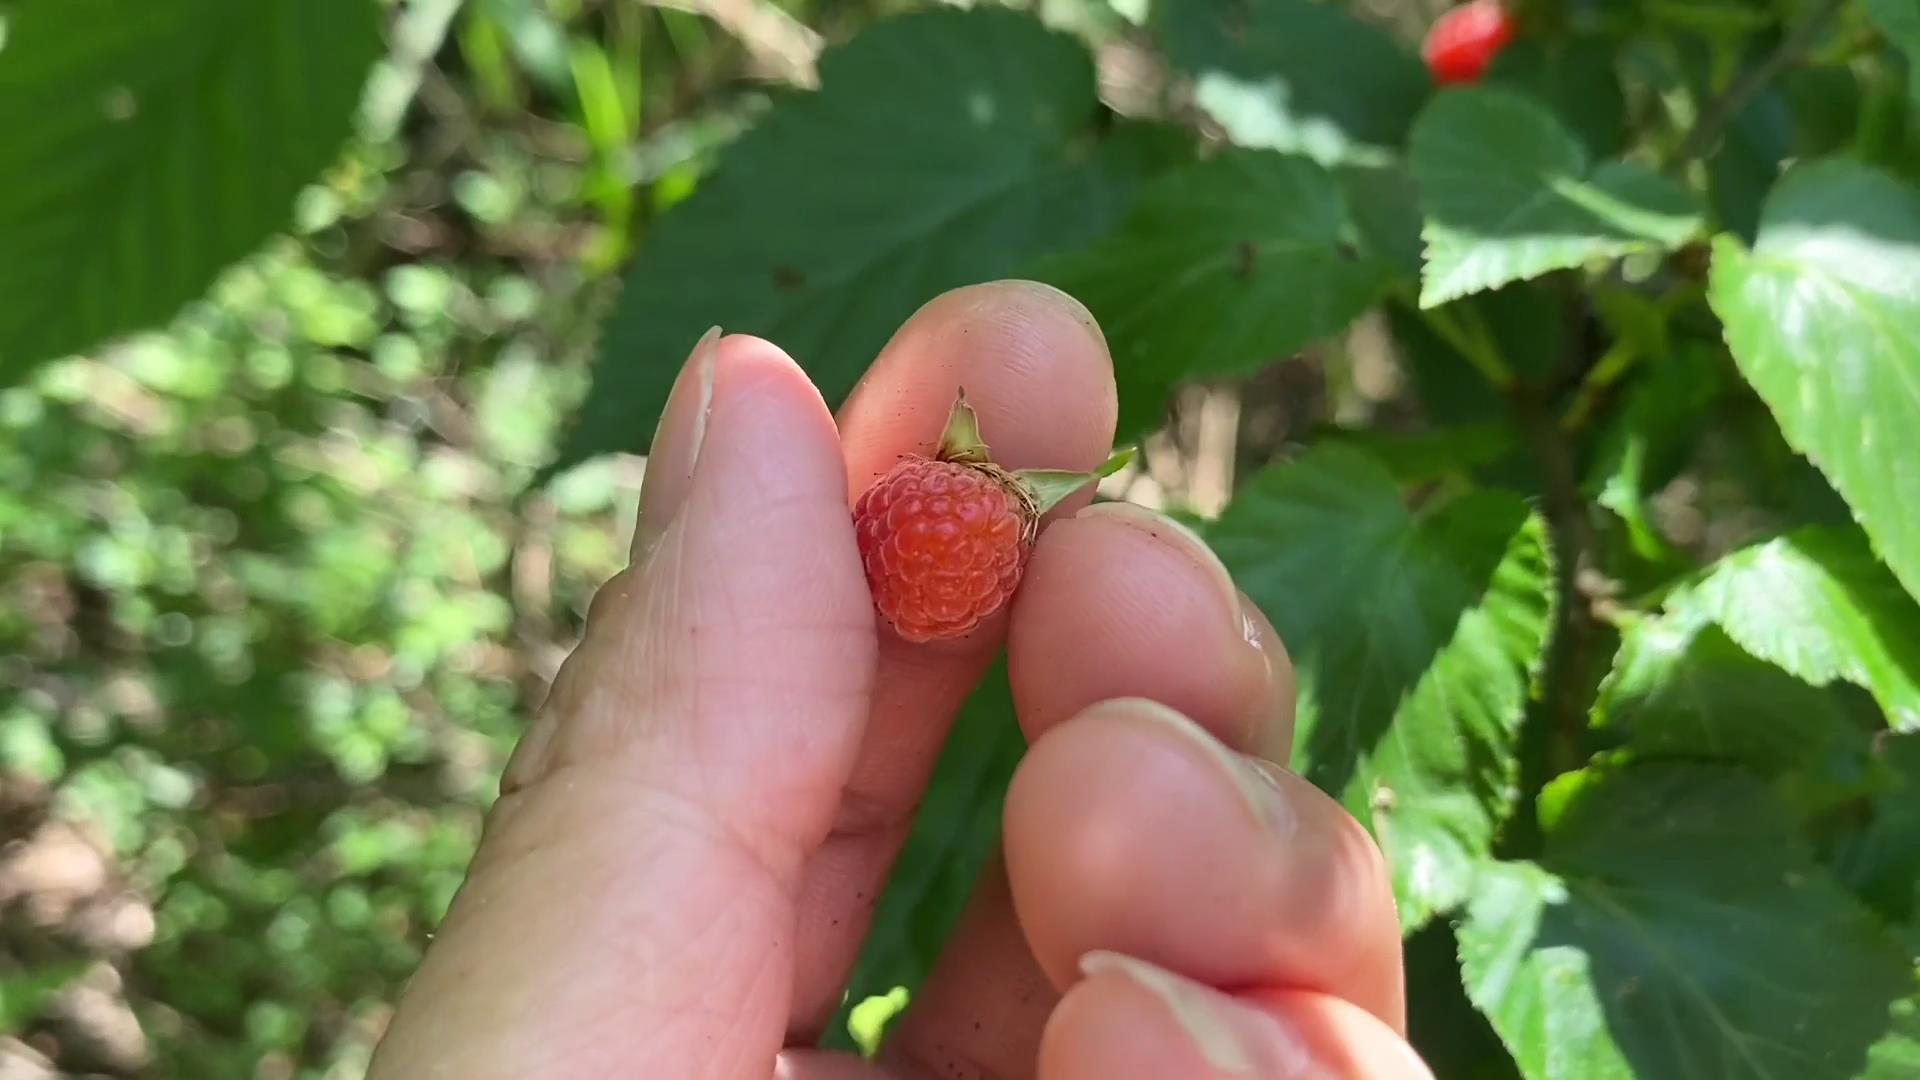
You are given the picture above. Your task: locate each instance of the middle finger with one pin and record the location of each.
(1036, 370)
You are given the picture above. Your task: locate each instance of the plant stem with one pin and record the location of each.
(1575, 544)
(1729, 102)
(1617, 361)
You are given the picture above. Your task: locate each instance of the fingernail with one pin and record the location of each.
(1254, 625)
(1273, 733)
(676, 443)
(1256, 786)
(1192, 1007)
(1185, 540)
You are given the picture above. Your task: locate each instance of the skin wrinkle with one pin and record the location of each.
(673, 832)
(534, 755)
(593, 719)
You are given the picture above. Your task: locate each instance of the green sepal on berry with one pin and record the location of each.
(1040, 489)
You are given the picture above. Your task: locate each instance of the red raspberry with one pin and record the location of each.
(1464, 41)
(944, 539)
(943, 543)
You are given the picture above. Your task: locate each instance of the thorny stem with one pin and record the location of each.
(1569, 674)
(1575, 544)
(1723, 108)
(1568, 669)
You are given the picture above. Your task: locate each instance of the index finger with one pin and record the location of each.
(1035, 368)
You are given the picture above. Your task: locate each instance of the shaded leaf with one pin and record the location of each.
(1510, 195)
(1295, 75)
(1650, 437)
(1414, 636)
(1675, 926)
(1386, 209)
(1900, 21)
(1823, 317)
(1740, 173)
(1453, 1039)
(1575, 78)
(1220, 267)
(148, 146)
(943, 148)
(1418, 456)
(1878, 856)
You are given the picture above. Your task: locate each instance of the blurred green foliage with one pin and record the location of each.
(275, 595)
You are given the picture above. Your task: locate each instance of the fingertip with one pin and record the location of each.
(1348, 1038)
(1127, 1019)
(1117, 823)
(752, 372)
(1119, 601)
(1273, 740)
(1131, 1019)
(751, 635)
(768, 431)
(1031, 359)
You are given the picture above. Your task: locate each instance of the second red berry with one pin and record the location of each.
(1464, 41)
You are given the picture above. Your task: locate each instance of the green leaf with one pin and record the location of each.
(1295, 75)
(1681, 687)
(1651, 436)
(1220, 267)
(943, 149)
(1386, 210)
(1414, 636)
(1575, 78)
(1675, 926)
(1818, 604)
(1510, 195)
(1823, 317)
(1421, 456)
(1900, 21)
(1878, 855)
(1758, 136)
(148, 146)
(1527, 324)
(1451, 1036)
(1897, 1057)
(954, 831)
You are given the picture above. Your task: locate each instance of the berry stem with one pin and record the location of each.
(1048, 487)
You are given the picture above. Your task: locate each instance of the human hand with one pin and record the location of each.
(691, 837)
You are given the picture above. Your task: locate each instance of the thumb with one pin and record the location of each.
(630, 908)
